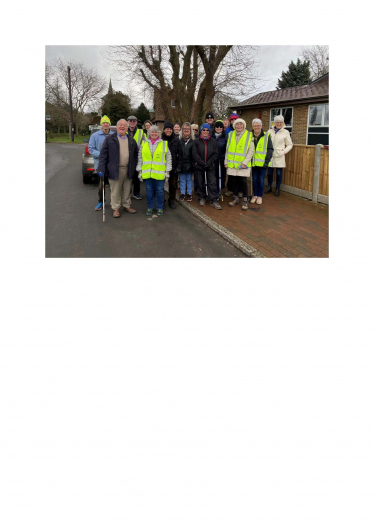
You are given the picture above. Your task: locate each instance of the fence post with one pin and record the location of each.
(317, 166)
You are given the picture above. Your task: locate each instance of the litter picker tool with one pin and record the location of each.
(103, 198)
(220, 181)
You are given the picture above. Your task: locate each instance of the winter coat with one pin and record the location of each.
(247, 159)
(94, 145)
(109, 157)
(187, 156)
(202, 151)
(152, 147)
(176, 151)
(282, 144)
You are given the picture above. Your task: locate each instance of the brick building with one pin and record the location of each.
(305, 110)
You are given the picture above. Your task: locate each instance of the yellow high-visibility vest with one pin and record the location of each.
(154, 166)
(139, 136)
(259, 155)
(236, 152)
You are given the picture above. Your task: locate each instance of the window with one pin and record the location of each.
(319, 115)
(318, 124)
(287, 113)
(173, 103)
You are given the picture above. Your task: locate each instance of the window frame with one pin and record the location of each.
(323, 105)
(282, 108)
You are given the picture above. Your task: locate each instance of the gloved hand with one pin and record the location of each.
(101, 175)
(206, 166)
(140, 176)
(167, 175)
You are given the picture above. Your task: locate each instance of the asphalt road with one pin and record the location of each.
(75, 229)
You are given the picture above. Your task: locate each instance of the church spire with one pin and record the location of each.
(110, 89)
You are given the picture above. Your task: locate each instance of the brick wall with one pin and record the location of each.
(300, 120)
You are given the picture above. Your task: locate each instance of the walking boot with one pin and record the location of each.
(172, 204)
(276, 194)
(234, 201)
(269, 190)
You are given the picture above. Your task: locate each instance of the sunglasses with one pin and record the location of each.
(219, 127)
(133, 120)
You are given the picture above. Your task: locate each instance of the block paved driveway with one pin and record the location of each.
(284, 226)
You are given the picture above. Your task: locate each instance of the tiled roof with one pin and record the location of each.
(317, 89)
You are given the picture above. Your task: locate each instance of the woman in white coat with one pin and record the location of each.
(282, 145)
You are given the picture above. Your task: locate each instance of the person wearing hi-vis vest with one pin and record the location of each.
(263, 152)
(139, 136)
(239, 151)
(154, 164)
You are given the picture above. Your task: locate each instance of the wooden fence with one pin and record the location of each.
(299, 173)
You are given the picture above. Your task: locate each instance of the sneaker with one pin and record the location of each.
(189, 198)
(259, 200)
(216, 205)
(234, 201)
(228, 193)
(182, 197)
(160, 212)
(138, 197)
(99, 206)
(245, 204)
(240, 195)
(202, 202)
(253, 200)
(149, 212)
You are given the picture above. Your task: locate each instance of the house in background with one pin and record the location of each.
(305, 109)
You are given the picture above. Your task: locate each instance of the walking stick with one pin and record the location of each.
(206, 186)
(220, 181)
(103, 198)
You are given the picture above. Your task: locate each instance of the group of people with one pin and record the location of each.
(196, 157)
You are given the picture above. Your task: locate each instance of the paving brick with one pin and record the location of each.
(286, 226)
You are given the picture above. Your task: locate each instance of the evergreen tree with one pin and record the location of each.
(142, 113)
(298, 74)
(116, 106)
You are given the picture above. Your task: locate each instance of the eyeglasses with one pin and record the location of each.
(219, 127)
(133, 120)
(204, 130)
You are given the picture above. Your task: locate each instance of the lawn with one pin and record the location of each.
(65, 138)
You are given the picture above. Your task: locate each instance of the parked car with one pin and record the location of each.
(88, 170)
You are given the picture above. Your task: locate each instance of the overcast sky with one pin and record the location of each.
(272, 60)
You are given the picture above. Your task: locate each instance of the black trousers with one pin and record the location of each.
(212, 184)
(136, 184)
(230, 185)
(240, 185)
(173, 178)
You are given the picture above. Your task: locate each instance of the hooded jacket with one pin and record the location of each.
(202, 151)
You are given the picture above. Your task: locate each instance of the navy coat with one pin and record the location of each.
(109, 157)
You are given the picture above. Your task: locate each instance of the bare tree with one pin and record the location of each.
(318, 57)
(189, 75)
(222, 104)
(86, 84)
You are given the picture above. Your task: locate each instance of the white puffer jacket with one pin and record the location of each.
(282, 145)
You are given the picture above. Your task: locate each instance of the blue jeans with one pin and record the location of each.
(185, 180)
(152, 186)
(279, 172)
(258, 177)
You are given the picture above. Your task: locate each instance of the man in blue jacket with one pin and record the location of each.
(94, 147)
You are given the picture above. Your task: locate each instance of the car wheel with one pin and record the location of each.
(87, 179)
